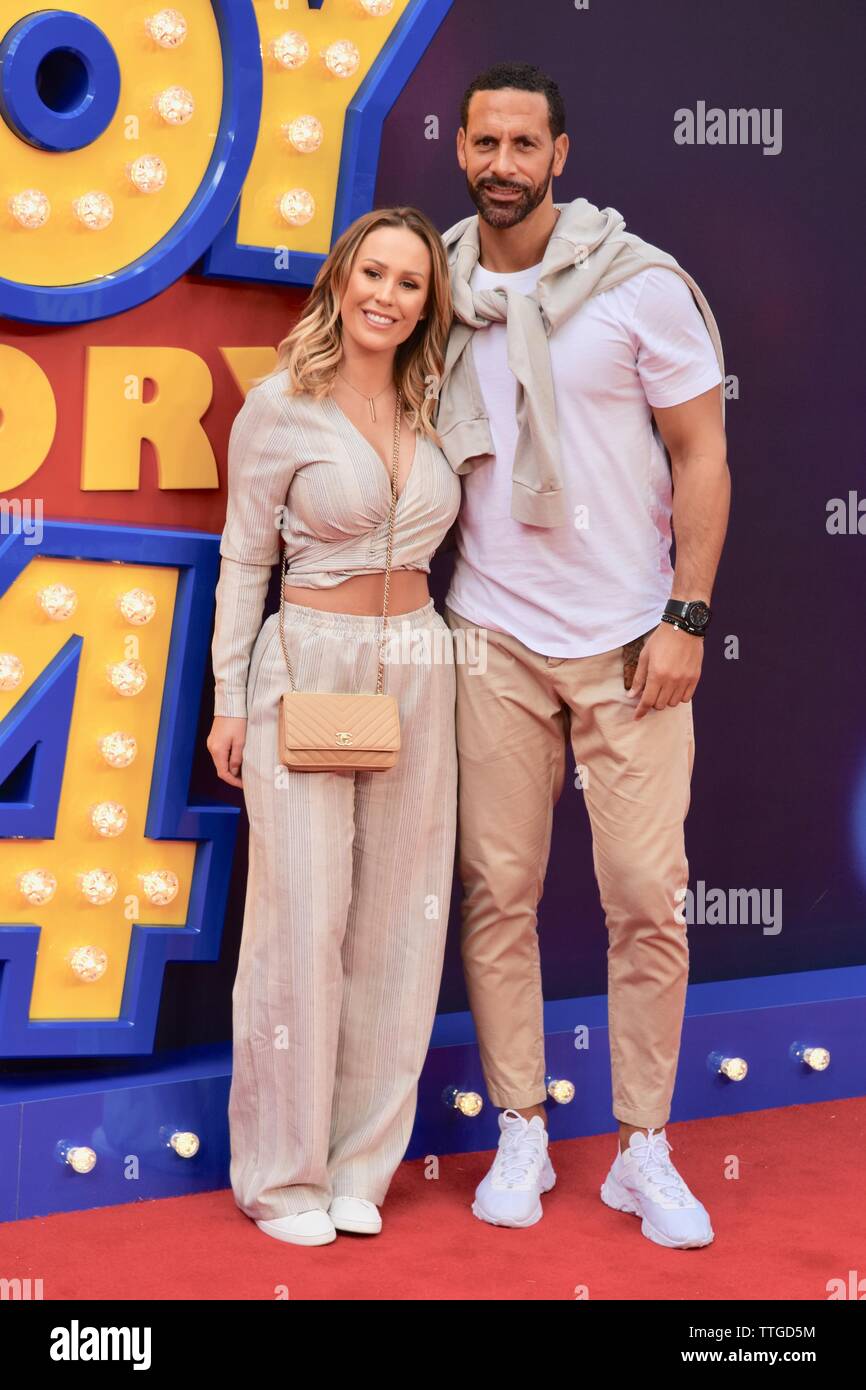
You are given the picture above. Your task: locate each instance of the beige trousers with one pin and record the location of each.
(347, 903)
(513, 720)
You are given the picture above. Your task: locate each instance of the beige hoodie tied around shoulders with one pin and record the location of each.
(588, 252)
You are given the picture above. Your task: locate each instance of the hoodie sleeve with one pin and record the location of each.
(260, 469)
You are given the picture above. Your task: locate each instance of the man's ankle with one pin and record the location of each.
(531, 1110)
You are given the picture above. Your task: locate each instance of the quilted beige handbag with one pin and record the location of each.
(328, 731)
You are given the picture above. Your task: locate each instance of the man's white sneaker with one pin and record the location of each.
(643, 1181)
(355, 1214)
(313, 1227)
(509, 1195)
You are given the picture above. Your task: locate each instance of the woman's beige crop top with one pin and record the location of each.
(299, 471)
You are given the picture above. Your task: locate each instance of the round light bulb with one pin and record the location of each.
(342, 58)
(108, 818)
(37, 886)
(94, 210)
(118, 749)
(127, 677)
(81, 1158)
(290, 50)
(168, 28)
(185, 1144)
(137, 606)
(467, 1102)
(11, 671)
(98, 886)
(818, 1058)
(89, 963)
(305, 133)
(160, 886)
(30, 208)
(148, 173)
(561, 1091)
(297, 207)
(59, 601)
(734, 1068)
(175, 105)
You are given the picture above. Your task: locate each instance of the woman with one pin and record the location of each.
(349, 872)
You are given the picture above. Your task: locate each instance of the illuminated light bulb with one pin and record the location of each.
(168, 28)
(89, 963)
(467, 1102)
(98, 886)
(93, 210)
(175, 105)
(185, 1143)
(58, 601)
(818, 1058)
(11, 671)
(734, 1068)
(305, 133)
(127, 677)
(137, 605)
(118, 749)
(341, 58)
(290, 50)
(297, 206)
(80, 1158)
(148, 173)
(560, 1090)
(376, 7)
(109, 818)
(30, 208)
(37, 886)
(160, 886)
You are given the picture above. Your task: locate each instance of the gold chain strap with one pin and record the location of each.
(398, 415)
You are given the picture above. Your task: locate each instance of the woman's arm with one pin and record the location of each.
(260, 467)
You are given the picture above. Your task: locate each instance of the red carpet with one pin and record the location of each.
(794, 1219)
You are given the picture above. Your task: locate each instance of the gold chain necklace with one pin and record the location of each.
(368, 399)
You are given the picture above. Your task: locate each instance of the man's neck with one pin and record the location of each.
(506, 249)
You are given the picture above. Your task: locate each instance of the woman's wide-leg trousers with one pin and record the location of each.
(346, 912)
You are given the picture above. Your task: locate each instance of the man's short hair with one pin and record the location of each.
(525, 78)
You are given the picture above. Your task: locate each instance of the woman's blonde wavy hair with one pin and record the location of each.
(313, 348)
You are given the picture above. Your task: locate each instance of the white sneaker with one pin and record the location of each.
(644, 1182)
(509, 1194)
(313, 1227)
(355, 1214)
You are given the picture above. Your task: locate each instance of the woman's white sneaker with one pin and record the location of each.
(313, 1227)
(644, 1182)
(355, 1214)
(510, 1193)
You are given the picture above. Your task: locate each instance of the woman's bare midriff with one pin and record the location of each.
(364, 594)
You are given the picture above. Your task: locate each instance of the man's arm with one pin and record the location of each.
(669, 667)
(695, 438)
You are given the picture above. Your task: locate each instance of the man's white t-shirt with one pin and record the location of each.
(605, 576)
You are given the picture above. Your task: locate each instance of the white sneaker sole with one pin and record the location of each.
(271, 1229)
(534, 1216)
(359, 1228)
(614, 1195)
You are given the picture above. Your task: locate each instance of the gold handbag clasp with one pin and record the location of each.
(344, 739)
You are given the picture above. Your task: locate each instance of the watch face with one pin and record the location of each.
(698, 614)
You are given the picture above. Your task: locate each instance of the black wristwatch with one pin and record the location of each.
(691, 615)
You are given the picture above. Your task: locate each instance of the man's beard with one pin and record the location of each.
(507, 214)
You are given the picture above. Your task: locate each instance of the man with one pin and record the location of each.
(578, 355)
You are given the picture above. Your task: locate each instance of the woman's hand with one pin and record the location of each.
(225, 743)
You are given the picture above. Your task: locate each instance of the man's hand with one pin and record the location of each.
(668, 669)
(225, 743)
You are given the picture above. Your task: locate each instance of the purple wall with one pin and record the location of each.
(774, 240)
